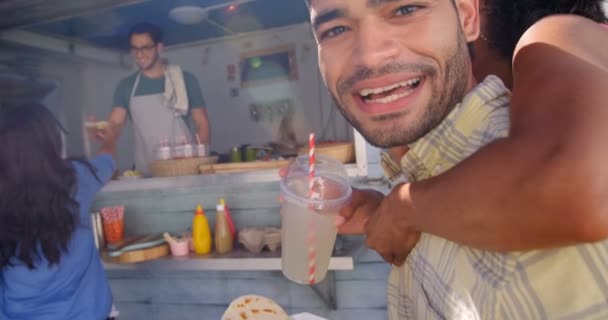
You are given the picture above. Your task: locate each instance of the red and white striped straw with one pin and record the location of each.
(311, 163)
(312, 254)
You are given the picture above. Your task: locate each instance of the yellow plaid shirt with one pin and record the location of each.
(444, 280)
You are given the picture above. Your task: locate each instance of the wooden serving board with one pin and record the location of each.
(146, 248)
(141, 255)
(242, 166)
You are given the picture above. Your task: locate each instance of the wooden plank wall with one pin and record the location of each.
(151, 295)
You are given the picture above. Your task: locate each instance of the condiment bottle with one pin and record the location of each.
(201, 233)
(235, 155)
(201, 150)
(223, 236)
(164, 151)
(188, 151)
(179, 148)
(229, 218)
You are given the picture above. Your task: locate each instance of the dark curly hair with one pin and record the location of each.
(509, 19)
(38, 212)
(155, 33)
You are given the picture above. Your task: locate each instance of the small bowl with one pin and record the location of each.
(252, 239)
(272, 239)
(179, 248)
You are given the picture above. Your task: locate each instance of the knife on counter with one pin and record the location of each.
(135, 243)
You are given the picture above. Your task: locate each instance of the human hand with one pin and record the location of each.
(355, 214)
(389, 229)
(108, 132)
(109, 136)
(95, 129)
(99, 134)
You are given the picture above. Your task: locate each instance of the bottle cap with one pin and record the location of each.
(199, 210)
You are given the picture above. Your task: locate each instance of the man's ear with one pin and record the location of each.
(468, 12)
(160, 47)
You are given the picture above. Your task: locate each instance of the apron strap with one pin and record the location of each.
(139, 139)
(135, 86)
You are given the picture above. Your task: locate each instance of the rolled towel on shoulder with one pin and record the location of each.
(175, 90)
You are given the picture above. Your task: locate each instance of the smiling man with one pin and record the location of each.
(401, 76)
(151, 99)
(515, 231)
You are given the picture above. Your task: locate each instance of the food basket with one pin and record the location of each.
(180, 167)
(341, 151)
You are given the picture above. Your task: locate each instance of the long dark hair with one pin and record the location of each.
(509, 19)
(38, 212)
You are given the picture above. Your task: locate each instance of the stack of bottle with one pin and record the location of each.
(181, 148)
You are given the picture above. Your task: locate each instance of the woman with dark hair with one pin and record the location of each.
(504, 22)
(49, 266)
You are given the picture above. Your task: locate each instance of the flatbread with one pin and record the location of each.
(252, 307)
(99, 125)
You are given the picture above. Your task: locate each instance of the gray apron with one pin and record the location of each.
(153, 120)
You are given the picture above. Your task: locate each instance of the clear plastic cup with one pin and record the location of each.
(113, 224)
(308, 231)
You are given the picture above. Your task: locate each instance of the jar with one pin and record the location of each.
(201, 150)
(235, 155)
(188, 152)
(178, 149)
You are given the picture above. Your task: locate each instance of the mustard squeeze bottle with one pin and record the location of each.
(201, 233)
(223, 236)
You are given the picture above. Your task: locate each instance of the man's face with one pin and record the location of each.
(395, 68)
(145, 52)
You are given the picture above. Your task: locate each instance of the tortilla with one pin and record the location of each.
(100, 125)
(252, 307)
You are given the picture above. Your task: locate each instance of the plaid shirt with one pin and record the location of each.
(444, 280)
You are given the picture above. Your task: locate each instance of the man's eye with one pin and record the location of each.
(335, 31)
(407, 10)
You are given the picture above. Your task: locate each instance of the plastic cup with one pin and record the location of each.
(113, 224)
(180, 248)
(308, 231)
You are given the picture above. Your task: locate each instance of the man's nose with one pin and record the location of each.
(375, 46)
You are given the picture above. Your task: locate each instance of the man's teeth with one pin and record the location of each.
(391, 98)
(409, 83)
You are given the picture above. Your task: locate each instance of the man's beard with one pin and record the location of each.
(152, 63)
(443, 99)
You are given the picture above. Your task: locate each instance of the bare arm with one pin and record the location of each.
(546, 185)
(118, 118)
(201, 121)
(110, 135)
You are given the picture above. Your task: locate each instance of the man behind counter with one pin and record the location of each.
(157, 98)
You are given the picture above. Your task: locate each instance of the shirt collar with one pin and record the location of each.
(467, 116)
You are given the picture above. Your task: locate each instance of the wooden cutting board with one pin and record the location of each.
(242, 166)
(137, 249)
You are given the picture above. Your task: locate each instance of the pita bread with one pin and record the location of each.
(252, 307)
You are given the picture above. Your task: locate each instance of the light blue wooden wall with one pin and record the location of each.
(166, 294)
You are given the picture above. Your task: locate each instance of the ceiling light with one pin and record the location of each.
(188, 14)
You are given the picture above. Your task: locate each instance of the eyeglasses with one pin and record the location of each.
(144, 49)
